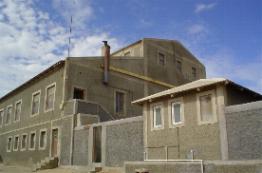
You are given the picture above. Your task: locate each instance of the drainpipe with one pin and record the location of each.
(106, 54)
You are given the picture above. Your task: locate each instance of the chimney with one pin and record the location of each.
(106, 54)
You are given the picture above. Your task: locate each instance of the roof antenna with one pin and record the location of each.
(70, 33)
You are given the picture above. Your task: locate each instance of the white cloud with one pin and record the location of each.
(197, 29)
(91, 46)
(204, 7)
(79, 9)
(31, 41)
(225, 64)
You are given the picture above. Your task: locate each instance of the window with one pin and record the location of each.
(18, 109)
(1, 117)
(161, 59)
(194, 74)
(206, 107)
(23, 142)
(177, 111)
(36, 102)
(16, 143)
(179, 66)
(79, 94)
(157, 117)
(119, 102)
(42, 139)
(32, 141)
(9, 144)
(8, 115)
(50, 97)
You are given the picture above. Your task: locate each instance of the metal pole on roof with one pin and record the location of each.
(70, 32)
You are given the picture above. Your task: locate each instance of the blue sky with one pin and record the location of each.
(226, 35)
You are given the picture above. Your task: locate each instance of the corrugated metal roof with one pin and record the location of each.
(192, 85)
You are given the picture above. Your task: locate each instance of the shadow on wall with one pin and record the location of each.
(1, 159)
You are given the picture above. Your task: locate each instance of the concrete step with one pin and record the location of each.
(46, 163)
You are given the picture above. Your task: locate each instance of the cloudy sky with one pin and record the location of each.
(226, 35)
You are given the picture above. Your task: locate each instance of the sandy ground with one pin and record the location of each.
(20, 169)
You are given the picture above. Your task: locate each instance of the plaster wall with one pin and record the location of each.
(244, 131)
(176, 142)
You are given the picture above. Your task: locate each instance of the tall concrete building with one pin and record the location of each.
(38, 119)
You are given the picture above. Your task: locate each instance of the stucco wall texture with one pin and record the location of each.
(80, 154)
(203, 139)
(244, 131)
(190, 167)
(124, 142)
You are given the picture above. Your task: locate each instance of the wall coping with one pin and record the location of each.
(244, 107)
(120, 121)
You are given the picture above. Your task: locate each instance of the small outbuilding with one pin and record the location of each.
(199, 120)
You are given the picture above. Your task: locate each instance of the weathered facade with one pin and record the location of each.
(40, 118)
(190, 122)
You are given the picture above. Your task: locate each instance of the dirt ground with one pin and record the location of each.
(20, 169)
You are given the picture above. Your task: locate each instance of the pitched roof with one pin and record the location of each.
(57, 65)
(189, 86)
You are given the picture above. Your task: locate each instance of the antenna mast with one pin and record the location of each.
(70, 32)
(69, 38)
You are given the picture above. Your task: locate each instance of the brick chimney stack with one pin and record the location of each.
(106, 54)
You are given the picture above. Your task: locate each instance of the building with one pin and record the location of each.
(208, 119)
(46, 116)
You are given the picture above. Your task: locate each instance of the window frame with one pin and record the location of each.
(53, 106)
(16, 149)
(2, 114)
(172, 123)
(29, 147)
(11, 144)
(213, 105)
(26, 141)
(152, 109)
(10, 118)
(194, 72)
(33, 94)
(124, 102)
(17, 102)
(179, 67)
(158, 58)
(45, 140)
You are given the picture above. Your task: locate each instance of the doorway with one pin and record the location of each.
(54, 149)
(97, 149)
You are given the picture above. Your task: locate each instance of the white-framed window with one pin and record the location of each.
(2, 113)
(35, 105)
(43, 139)
(9, 144)
(23, 142)
(120, 97)
(206, 107)
(157, 116)
(50, 97)
(176, 112)
(16, 143)
(9, 110)
(161, 59)
(18, 110)
(32, 140)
